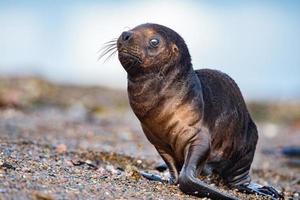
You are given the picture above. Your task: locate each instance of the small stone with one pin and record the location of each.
(112, 169)
(61, 148)
(41, 196)
(69, 163)
(2, 190)
(7, 166)
(88, 162)
(131, 171)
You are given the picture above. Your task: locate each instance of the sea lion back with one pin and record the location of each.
(234, 134)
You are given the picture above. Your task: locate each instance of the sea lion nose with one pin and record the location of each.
(126, 35)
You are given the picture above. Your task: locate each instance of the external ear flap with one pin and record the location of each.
(175, 48)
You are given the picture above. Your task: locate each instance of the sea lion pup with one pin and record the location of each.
(196, 119)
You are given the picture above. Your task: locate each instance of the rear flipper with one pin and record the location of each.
(152, 177)
(253, 188)
(240, 180)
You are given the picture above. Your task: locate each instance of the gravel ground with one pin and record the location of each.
(78, 150)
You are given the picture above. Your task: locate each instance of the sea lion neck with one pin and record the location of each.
(160, 72)
(148, 91)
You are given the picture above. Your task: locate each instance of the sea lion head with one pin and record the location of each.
(151, 48)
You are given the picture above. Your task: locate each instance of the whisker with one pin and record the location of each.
(112, 44)
(114, 48)
(106, 46)
(112, 54)
(109, 48)
(113, 40)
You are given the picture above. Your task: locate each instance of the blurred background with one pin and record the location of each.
(255, 42)
(56, 97)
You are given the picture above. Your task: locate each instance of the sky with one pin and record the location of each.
(255, 42)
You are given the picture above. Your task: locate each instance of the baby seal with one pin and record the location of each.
(196, 119)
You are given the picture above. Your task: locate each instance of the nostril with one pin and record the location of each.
(126, 35)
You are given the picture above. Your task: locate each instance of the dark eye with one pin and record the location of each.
(154, 42)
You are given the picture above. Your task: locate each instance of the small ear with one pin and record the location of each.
(175, 48)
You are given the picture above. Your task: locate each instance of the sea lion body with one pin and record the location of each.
(195, 119)
(171, 116)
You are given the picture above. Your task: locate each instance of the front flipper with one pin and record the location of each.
(254, 188)
(195, 158)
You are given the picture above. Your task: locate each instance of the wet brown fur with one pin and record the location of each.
(196, 119)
